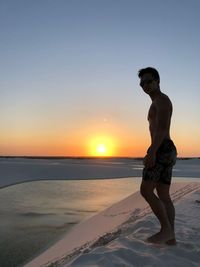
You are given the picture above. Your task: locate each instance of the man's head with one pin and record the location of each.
(149, 80)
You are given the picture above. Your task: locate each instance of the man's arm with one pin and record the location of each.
(162, 120)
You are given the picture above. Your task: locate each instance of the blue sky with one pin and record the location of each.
(70, 67)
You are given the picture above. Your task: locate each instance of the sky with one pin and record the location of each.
(68, 75)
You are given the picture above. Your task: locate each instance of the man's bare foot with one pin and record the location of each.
(171, 242)
(152, 237)
(163, 237)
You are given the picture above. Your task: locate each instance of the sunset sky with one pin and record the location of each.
(69, 82)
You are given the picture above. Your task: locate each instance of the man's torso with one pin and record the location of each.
(152, 116)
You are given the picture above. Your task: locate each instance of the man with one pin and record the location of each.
(160, 158)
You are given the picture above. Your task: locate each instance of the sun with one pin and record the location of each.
(101, 149)
(101, 146)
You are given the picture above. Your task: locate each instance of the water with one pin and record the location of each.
(35, 215)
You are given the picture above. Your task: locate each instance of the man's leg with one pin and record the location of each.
(164, 196)
(166, 233)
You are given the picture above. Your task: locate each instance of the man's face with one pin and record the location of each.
(149, 84)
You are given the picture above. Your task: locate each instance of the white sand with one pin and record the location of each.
(20, 170)
(115, 237)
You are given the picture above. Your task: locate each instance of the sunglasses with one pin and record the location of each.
(146, 82)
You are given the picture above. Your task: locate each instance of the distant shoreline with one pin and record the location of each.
(70, 157)
(87, 157)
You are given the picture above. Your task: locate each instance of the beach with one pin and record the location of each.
(35, 215)
(127, 247)
(112, 232)
(116, 237)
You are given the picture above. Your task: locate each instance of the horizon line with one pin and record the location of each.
(86, 157)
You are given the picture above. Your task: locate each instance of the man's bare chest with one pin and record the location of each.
(152, 113)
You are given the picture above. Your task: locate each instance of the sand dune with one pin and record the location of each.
(116, 236)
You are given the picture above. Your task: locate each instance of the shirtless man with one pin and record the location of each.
(160, 158)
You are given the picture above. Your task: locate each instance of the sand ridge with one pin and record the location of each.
(102, 230)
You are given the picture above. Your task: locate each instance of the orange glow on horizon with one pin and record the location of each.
(88, 144)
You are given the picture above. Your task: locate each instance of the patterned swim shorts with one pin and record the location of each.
(165, 160)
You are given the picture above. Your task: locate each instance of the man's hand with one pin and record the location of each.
(149, 160)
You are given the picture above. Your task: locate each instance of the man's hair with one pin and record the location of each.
(150, 70)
